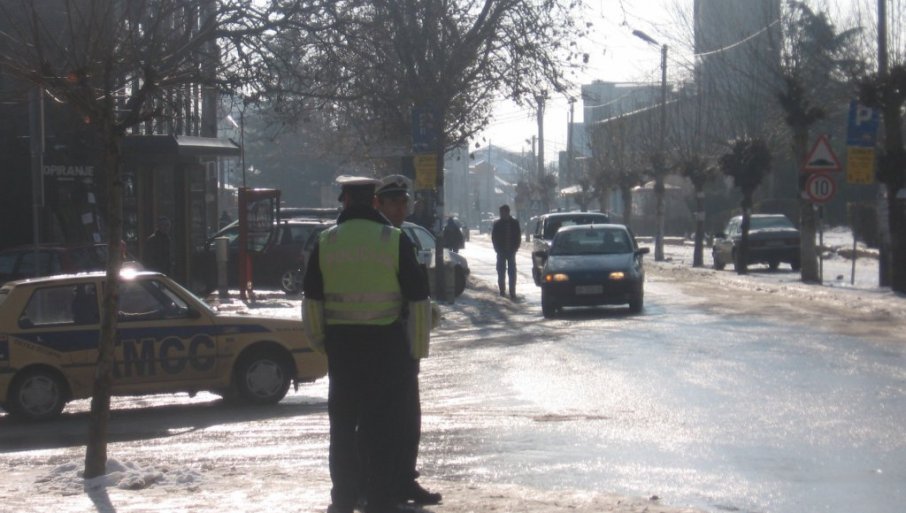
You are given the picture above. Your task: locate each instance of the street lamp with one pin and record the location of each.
(659, 236)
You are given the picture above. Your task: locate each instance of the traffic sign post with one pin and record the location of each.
(820, 188)
(821, 159)
(860, 165)
(861, 136)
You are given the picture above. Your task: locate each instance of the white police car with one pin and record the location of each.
(167, 341)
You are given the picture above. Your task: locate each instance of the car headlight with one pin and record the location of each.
(617, 275)
(556, 277)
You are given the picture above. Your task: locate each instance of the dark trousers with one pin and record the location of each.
(411, 433)
(368, 371)
(506, 266)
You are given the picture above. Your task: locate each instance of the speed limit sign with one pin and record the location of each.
(820, 188)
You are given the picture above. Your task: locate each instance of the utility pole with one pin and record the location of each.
(540, 112)
(883, 205)
(659, 158)
(570, 179)
(660, 215)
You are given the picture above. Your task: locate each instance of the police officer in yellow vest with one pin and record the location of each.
(360, 274)
(392, 199)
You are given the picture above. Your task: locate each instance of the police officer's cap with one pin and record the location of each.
(395, 185)
(348, 182)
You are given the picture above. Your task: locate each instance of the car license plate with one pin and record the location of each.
(589, 289)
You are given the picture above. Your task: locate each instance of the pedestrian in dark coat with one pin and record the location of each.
(506, 237)
(453, 239)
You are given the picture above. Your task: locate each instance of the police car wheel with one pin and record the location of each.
(37, 395)
(262, 378)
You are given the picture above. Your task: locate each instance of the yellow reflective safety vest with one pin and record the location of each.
(360, 266)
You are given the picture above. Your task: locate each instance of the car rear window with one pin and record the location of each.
(591, 242)
(7, 262)
(48, 263)
(92, 258)
(761, 223)
(554, 224)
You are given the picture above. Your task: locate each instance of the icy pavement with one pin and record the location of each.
(164, 477)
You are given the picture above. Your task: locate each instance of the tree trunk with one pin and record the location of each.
(808, 253)
(897, 211)
(626, 195)
(808, 256)
(742, 256)
(96, 448)
(440, 292)
(698, 259)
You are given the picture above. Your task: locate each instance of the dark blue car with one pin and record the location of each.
(592, 265)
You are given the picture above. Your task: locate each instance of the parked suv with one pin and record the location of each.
(277, 261)
(772, 239)
(546, 227)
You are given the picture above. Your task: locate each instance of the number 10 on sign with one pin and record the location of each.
(820, 188)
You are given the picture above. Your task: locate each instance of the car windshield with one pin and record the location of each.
(761, 223)
(554, 224)
(591, 242)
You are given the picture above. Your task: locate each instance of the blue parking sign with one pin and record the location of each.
(425, 129)
(862, 127)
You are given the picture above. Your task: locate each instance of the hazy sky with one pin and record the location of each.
(615, 55)
(618, 56)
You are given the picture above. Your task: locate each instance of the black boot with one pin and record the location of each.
(418, 495)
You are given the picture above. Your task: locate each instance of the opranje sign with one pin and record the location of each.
(68, 171)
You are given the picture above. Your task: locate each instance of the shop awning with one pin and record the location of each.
(179, 145)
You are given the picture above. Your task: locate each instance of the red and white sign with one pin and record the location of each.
(820, 188)
(822, 158)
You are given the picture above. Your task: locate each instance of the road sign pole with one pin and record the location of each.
(820, 244)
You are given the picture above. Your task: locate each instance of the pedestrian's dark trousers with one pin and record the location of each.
(368, 370)
(506, 267)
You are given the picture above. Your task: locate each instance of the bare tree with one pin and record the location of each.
(814, 60)
(886, 91)
(747, 162)
(700, 171)
(121, 65)
(617, 161)
(388, 64)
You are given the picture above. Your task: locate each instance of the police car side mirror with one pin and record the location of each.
(192, 313)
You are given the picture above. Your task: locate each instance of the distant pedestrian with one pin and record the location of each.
(156, 256)
(506, 237)
(225, 219)
(453, 239)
